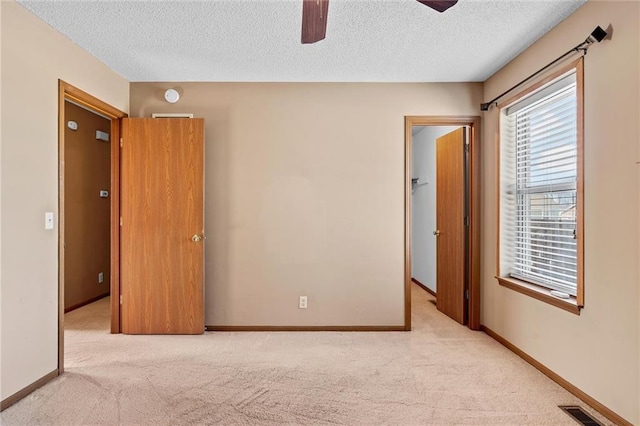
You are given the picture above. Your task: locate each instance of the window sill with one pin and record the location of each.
(540, 293)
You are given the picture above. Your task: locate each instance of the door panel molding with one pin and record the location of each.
(68, 92)
(474, 123)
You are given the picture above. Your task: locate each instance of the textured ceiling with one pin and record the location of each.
(259, 40)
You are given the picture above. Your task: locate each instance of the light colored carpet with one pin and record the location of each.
(439, 374)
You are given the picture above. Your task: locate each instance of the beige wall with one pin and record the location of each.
(305, 195)
(34, 57)
(597, 351)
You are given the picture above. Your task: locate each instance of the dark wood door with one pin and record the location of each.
(451, 228)
(162, 209)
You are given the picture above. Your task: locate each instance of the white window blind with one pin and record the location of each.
(538, 187)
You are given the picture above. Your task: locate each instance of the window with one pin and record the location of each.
(541, 191)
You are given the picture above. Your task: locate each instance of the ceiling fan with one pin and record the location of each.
(314, 17)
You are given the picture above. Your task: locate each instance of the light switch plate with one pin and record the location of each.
(48, 220)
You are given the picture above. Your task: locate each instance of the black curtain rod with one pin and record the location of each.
(596, 35)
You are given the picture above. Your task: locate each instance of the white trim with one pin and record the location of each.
(171, 115)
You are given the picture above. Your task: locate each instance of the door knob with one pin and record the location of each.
(196, 238)
(436, 233)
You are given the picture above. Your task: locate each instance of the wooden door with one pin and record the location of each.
(450, 223)
(162, 210)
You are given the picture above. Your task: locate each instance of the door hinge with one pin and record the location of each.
(120, 220)
(467, 221)
(466, 295)
(121, 299)
(466, 147)
(120, 142)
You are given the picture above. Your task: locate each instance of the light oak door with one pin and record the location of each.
(450, 224)
(162, 208)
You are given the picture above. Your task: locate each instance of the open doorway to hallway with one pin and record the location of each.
(89, 214)
(442, 214)
(87, 177)
(424, 205)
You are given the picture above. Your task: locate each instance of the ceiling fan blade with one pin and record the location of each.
(314, 20)
(440, 6)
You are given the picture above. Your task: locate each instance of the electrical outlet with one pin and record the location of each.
(100, 277)
(303, 302)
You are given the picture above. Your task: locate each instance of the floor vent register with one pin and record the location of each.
(579, 415)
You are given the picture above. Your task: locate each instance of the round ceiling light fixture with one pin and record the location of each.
(172, 96)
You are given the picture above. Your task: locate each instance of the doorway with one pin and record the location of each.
(82, 103)
(423, 205)
(452, 183)
(87, 177)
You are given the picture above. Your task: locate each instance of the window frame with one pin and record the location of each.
(573, 304)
